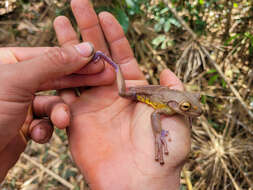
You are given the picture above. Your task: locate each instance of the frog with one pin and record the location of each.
(164, 101)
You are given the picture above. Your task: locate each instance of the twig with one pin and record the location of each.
(49, 172)
(236, 93)
(182, 58)
(236, 186)
(240, 123)
(194, 36)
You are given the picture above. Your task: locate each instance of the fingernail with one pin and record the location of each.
(85, 49)
(39, 134)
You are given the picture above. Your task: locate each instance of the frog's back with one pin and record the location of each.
(149, 89)
(155, 93)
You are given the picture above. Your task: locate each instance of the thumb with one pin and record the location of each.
(55, 63)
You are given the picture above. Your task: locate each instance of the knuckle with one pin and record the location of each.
(56, 56)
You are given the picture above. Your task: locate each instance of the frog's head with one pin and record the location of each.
(186, 103)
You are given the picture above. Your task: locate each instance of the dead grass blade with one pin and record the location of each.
(49, 172)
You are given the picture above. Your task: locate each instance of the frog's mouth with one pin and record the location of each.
(194, 114)
(188, 113)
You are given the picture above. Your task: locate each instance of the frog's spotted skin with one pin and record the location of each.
(164, 101)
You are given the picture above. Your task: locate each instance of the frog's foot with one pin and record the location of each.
(96, 57)
(161, 146)
(100, 55)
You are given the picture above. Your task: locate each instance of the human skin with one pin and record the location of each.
(24, 71)
(111, 138)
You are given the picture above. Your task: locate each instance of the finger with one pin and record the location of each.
(53, 107)
(90, 30)
(120, 49)
(41, 130)
(68, 96)
(88, 24)
(55, 63)
(66, 35)
(75, 80)
(17, 54)
(10, 155)
(168, 78)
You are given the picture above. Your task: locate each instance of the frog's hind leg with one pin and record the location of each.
(160, 135)
(119, 76)
(122, 86)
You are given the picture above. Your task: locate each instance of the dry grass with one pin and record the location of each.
(222, 148)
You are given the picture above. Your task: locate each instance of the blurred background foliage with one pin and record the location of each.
(222, 147)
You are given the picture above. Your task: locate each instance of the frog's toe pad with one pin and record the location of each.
(161, 146)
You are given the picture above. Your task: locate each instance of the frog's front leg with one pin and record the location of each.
(160, 135)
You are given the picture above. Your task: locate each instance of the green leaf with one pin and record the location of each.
(201, 2)
(164, 10)
(213, 79)
(170, 43)
(164, 45)
(167, 26)
(174, 22)
(203, 99)
(223, 83)
(158, 27)
(130, 3)
(231, 38)
(162, 20)
(158, 40)
(211, 71)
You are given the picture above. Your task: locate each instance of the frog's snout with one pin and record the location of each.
(197, 111)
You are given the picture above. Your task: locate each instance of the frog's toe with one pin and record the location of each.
(156, 149)
(161, 160)
(165, 146)
(161, 147)
(165, 134)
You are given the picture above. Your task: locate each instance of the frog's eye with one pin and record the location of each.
(185, 106)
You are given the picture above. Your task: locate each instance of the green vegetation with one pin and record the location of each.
(221, 157)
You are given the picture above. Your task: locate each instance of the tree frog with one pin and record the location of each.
(164, 101)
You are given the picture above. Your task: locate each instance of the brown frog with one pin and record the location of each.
(164, 101)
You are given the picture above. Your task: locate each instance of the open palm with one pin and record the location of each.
(111, 138)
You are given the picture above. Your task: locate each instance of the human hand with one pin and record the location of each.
(20, 81)
(110, 138)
